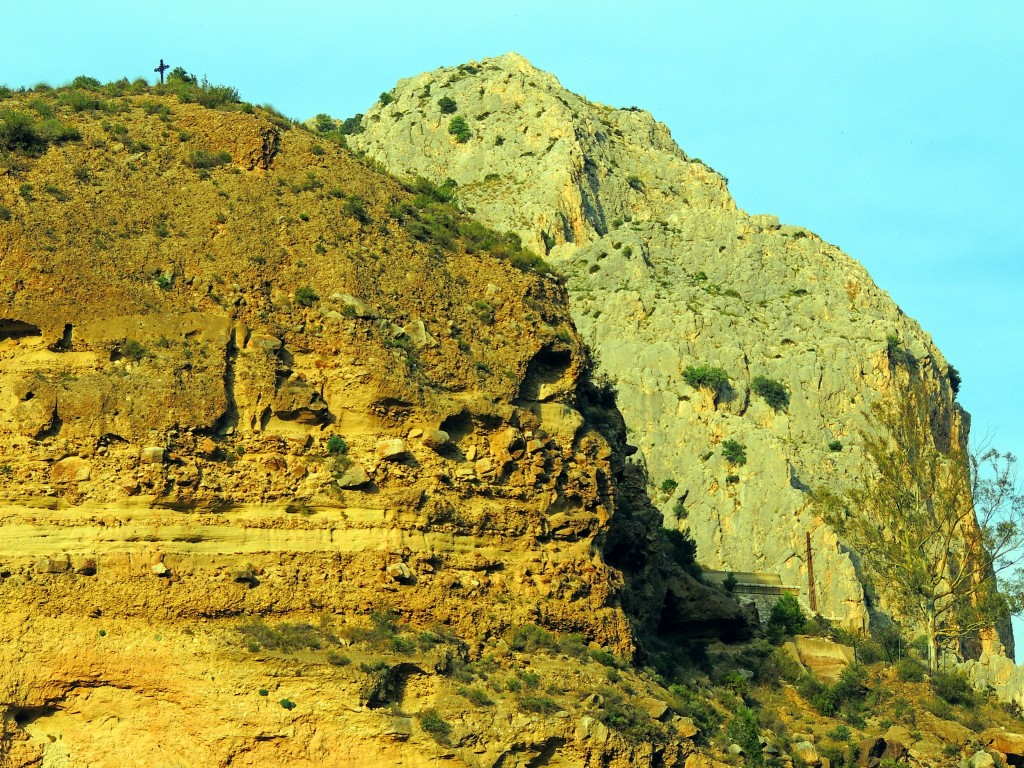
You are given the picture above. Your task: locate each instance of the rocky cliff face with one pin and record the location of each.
(234, 387)
(665, 274)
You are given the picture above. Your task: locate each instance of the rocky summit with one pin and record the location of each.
(311, 449)
(667, 277)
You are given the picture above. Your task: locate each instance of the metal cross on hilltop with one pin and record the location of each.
(161, 69)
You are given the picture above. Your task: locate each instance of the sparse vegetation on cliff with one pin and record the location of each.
(434, 217)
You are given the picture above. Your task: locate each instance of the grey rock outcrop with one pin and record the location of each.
(665, 272)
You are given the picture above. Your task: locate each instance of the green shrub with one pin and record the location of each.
(910, 670)
(530, 638)
(306, 296)
(157, 108)
(459, 128)
(55, 132)
(544, 705)
(734, 452)
(680, 510)
(630, 720)
(133, 350)
(190, 91)
(786, 619)
(324, 123)
(202, 158)
(435, 725)
(954, 380)
(336, 445)
(941, 708)
(903, 711)
(605, 658)
(846, 696)
(690, 703)
(403, 645)
(530, 679)
(744, 729)
(447, 105)
(484, 311)
(309, 183)
(635, 183)
(84, 81)
(729, 582)
(80, 101)
(58, 194)
(286, 636)
(835, 446)
(317, 149)
(385, 98)
(432, 217)
(954, 687)
(774, 392)
(778, 665)
(42, 106)
(706, 377)
(352, 125)
(263, 692)
(5, 213)
(355, 207)
(868, 649)
(839, 733)
(838, 757)
(288, 704)
(338, 659)
(180, 74)
(898, 354)
(669, 486)
(475, 695)
(18, 133)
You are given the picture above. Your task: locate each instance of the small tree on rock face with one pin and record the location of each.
(933, 528)
(773, 392)
(709, 377)
(459, 128)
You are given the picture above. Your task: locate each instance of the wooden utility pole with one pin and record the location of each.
(811, 599)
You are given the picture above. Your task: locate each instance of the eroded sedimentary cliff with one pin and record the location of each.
(235, 388)
(665, 273)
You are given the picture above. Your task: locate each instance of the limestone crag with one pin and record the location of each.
(540, 161)
(665, 272)
(234, 387)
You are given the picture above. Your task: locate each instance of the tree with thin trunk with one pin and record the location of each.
(934, 527)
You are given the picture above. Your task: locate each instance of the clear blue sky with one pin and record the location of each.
(894, 130)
